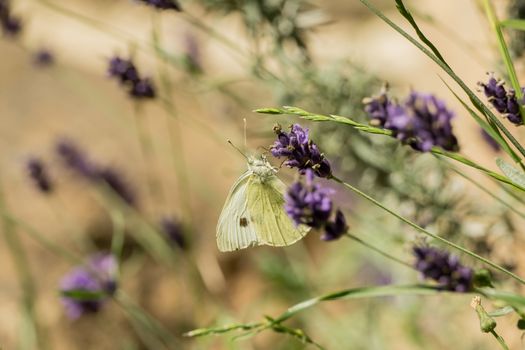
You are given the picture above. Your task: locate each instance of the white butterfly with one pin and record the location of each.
(254, 211)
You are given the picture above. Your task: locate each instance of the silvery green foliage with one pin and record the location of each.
(277, 19)
(516, 9)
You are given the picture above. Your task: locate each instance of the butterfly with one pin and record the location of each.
(254, 214)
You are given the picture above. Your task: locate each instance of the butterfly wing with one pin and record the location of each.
(235, 229)
(266, 207)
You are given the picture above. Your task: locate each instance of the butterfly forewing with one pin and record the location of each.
(235, 230)
(266, 206)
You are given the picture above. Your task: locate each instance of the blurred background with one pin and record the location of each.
(211, 65)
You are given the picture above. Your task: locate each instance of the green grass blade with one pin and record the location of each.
(472, 96)
(504, 51)
(518, 24)
(492, 131)
(405, 13)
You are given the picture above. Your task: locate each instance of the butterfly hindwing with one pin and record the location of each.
(266, 207)
(235, 230)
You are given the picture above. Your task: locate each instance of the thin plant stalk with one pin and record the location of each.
(377, 250)
(31, 332)
(490, 193)
(174, 128)
(148, 156)
(500, 340)
(430, 234)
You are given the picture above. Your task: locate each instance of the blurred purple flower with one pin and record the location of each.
(163, 4)
(490, 140)
(377, 107)
(77, 160)
(97, 276)
(43, 58)
(443, 268)
(123, 70)
(117, 183)
(10, 24)
(142, 88)
(37, 172)
(127, 74)
(174, 231)
(300, 152)
(335, 229)
(503, 100)
(310, 204)
(422, 121)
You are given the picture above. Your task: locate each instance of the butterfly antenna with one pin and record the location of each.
(245, 142)
(238, 150)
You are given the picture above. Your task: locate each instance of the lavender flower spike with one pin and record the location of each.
(421, 121)
(336, 228)
(174, 231)
(38, 173)
(300, 151)
(163, 4)
(10, 24)
(310, 204)
(503, 100)
(97, 276)
(443, 268)
(126, 72)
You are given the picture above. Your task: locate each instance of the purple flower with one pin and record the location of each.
(443, 268)
(377, 107)
(421, 121)
(335, 229)
(76, 159)
(300, 152)
(123, 70)
(163, 4)
(175, 231)
(43, 58)
(127, 74)
(10, 24)
(96, 276)
(116, 182)
(310, 204)
(37, 172)
(143, 88)
(505, 102)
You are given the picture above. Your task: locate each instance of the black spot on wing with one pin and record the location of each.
(243, 222)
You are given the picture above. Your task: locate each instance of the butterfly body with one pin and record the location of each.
(254, 214)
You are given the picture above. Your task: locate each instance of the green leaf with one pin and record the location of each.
(517, 176)
(405, 13)
(518, 24)
(514, 300)
(501, 311)
(84, 295)
(269, 111)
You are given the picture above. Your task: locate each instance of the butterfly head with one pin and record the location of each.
(261, 168)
